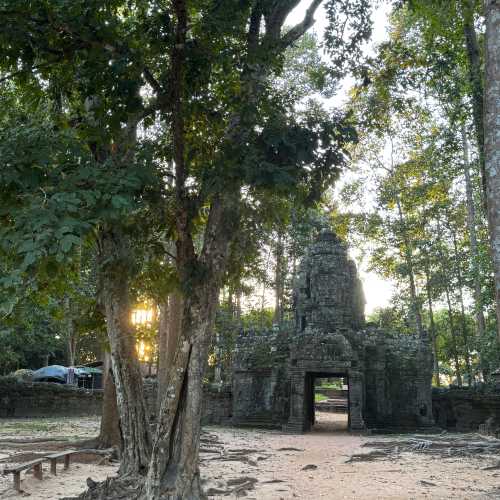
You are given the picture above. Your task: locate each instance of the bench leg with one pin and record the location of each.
(38, 471)
(53, 466)
(66, 461)
(17, 481)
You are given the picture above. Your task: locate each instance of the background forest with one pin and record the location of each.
(411, 205)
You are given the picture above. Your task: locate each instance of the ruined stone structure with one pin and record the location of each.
(44, 399)
(388, 375)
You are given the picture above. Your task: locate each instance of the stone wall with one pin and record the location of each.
(217, 406)
(466, 410)
(217, 402)
(43, 399)
(260, 384)
(398, 372)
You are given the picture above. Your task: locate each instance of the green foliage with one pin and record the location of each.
(413, 107)
(86, 145)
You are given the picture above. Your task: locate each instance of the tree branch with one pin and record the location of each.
(155, 84)
(299, 29)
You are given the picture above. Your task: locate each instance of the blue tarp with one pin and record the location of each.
(53, 373)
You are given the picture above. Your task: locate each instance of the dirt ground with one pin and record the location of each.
(263, 465)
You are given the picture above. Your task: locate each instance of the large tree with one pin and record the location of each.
(492, 136)
(167, 110)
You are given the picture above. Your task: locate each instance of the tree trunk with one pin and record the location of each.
(238, 306)
(492, 137)
(471, 227)
(408, 255)
(174, 471)
(465, 334)
(114, 263)
(432, 325)
(458, 372)
(110, 433)
(168, 338)
(162, 372)
(476, 86)
(279, 273)
(71, 340)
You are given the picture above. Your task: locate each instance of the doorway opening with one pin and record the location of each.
(328, 402)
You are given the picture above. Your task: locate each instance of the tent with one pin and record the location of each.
(53, 373)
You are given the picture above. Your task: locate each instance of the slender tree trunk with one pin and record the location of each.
(432, 325)
(492, 137)
(71, 340)
(114, 263)
(453, 333)
(162, 371)
(463, 320)
(110, 433)
(476, 87)
(264, 287)
(471, 227)
(454, 343)
(238, 306)
(279, 272)
(411, 274)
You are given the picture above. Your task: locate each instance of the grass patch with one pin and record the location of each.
(319, 397)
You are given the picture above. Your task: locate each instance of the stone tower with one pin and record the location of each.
(328, 294)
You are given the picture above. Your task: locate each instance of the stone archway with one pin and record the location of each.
(299, 419)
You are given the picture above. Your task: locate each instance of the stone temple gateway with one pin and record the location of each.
(388, 374)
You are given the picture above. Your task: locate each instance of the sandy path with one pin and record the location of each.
(267, 465)
(410, 476)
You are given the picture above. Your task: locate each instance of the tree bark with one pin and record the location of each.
(408, 255)
(492, 138)
(474, 249)
(71, 340)
(114, 263)
(168, 338)
(476, 86)
(432, 324)
(110, 434)
(279, 279)
(174, 471)
(458, 372)
(463, 321)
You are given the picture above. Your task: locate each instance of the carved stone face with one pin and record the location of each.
(328, 294)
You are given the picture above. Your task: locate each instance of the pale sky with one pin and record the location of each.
(378, 291)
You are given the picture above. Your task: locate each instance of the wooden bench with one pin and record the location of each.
(36, 465)
(64, 454)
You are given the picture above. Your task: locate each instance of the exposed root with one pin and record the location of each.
(119, 488)
(443, 446)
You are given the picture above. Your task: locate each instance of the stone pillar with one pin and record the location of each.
(356, 395)
(297, 420)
